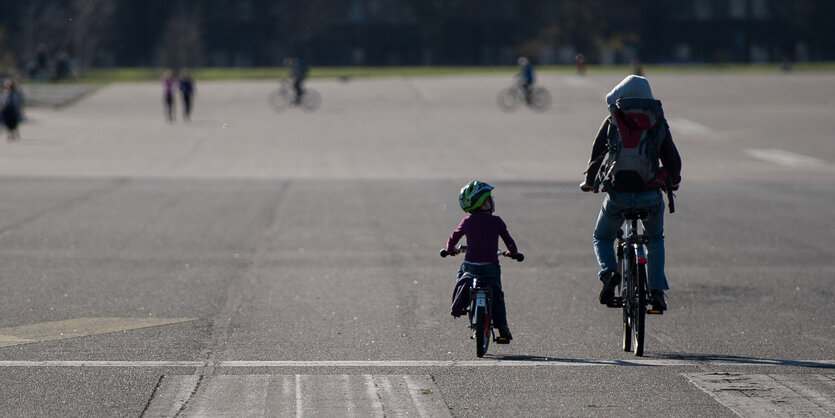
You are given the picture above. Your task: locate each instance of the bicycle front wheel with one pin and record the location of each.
(311, 100)
(540, 99)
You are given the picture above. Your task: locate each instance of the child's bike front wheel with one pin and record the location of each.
(481, 333)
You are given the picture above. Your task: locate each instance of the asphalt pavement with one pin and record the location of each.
(253, 263)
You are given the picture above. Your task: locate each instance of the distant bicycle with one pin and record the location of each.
(480, 311)
(285, 97)
(537, 98)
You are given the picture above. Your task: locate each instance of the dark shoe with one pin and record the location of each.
(504, 335)
(658, 300)
(610, 281)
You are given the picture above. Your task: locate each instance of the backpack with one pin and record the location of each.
(637, 129)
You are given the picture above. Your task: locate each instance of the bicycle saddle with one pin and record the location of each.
(635, 214)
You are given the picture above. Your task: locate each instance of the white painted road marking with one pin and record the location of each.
(823, 364)
(688, 127)
(311, 395)
(772, 395)
(78, 327)
(784, 158)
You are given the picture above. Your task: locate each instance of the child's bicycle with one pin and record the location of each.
(481, 318)
(634, 288)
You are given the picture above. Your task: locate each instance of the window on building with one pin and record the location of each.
(759, 9)
(737, 9)
(703, 9)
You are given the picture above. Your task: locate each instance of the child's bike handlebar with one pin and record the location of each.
(463, 248)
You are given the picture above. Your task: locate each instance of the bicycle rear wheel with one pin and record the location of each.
(640, 313)
(626, 294)
(311, 100)
(280, 99)
(509, 99)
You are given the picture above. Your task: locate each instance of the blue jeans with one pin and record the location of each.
(493, 273)
(611, 219)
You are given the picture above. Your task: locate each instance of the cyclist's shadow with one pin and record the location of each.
(729, 360)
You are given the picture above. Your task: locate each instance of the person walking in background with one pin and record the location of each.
(168, 81)
(11, 103)
(188, 90)
(580, 62)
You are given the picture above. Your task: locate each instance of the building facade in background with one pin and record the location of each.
(261, 33)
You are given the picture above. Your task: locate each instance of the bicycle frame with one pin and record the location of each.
(481, 317)
(634, 287)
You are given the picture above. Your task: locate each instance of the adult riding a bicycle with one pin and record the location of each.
(483, 230)
(524, 90)
(292, 91)
(636, 137)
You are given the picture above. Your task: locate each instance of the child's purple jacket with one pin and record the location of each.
(483, 230)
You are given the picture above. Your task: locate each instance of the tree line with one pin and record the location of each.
(409, 32)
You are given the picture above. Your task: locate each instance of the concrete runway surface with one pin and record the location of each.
(253, 263)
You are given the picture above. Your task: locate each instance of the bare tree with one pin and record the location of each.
(88, 28)
(182, 41)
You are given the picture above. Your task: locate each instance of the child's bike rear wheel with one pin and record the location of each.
(482, 333)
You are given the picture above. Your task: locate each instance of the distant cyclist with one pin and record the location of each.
(645, 139)
(483, 230)
(298, 73)
(526, 76)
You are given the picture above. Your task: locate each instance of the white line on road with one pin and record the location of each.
(544, 362)
(785, 158)
(773, 395)
(313, 395)
(688, 127)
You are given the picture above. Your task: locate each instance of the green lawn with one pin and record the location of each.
(108, 75)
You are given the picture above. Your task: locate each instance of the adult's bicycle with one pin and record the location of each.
(634, 288)
(536, 97)
(481, 305)
(285, 96)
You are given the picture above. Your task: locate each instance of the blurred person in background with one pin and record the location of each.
(526, 76)
(298, 73)
(11, 103)
(187, 90)
(168, 81)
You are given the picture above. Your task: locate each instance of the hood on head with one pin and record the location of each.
(631, 86)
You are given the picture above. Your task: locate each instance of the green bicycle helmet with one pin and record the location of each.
(473, 195)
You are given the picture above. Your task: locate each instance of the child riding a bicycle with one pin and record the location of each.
(483, 230)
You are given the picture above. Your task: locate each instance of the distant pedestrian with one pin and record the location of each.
(168, 81)
(188, 90)
(11, 103)
(580, 62)
(637, 67)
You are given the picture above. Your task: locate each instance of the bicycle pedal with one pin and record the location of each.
(655, 312)
(617, 302)
(502, 340)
